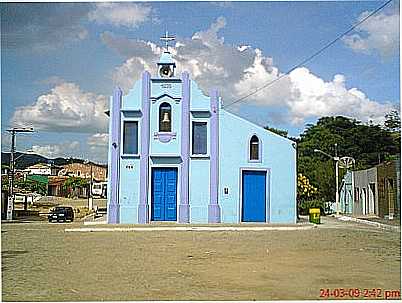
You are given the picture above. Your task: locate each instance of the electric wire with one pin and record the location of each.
(311, 56)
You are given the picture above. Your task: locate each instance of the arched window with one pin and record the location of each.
(254, 148)
(165, 117)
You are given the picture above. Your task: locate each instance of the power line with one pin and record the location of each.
(312, 56)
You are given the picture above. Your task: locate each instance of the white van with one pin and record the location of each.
(99, 189)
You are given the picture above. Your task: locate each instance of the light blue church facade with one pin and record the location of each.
(176, 155)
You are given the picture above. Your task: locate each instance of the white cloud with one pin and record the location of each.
(379, 33)
(99, 139)
(239, 70)
(98, 146)
(121, 14)
(311, 96)
(65, 149)
(52, 80)
(66, 108)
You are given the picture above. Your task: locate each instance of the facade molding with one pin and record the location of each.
(184, 207)
(143, 206)
(115, 142)
(214, 212)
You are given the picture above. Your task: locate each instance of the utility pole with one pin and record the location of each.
(90, 206)
(90, 198)
(10, 206)
(336, 159)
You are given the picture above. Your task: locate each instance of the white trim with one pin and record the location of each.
(178, 184)
(267, 192)
(259, 160)
(159, 117)
(206, 120)
(130, 119)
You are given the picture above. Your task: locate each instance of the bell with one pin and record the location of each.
(166, 118)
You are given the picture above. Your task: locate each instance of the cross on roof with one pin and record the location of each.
(167, 38)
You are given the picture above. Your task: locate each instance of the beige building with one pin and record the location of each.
(42, 169)
(83, 170)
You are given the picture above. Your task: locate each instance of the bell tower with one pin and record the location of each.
(166, 65)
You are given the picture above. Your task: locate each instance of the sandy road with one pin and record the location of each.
(41, 261)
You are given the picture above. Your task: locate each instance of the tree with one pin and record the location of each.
(32, 186)
(393, 124)
(280, 132)
(72, 184)
(393, 121)
(365, 143)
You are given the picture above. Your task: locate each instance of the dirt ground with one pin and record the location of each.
(80, 206)
(43, 262)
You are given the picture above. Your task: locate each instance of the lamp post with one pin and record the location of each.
(10, 205)
(90, 199)
(336, 159)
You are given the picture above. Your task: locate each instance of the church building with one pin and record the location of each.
(176, 155)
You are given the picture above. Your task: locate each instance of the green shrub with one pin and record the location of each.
(304, 206)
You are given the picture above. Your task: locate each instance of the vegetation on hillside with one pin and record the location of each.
(368, 144)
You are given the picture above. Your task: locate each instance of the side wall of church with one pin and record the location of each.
(278, 159)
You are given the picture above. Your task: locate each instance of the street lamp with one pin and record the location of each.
(345, 162)
(13, 131)
(336, 159)
(90, 199)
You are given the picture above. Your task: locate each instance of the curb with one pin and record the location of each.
(95, 222)
(375, 224)
(86, 217)
(183, 228)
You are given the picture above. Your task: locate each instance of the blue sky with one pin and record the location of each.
(60, 63)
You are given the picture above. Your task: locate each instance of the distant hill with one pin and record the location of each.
(31, 159)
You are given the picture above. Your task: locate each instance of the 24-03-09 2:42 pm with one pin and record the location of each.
(359, 293)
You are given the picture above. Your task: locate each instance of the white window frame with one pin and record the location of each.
(205, 120)
(171, 118)
(259, 160)
(122, 137)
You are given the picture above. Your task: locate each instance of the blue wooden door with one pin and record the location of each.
(164, 193)
(254, 196)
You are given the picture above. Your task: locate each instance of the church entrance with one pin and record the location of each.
(254, 196)
(164, 194)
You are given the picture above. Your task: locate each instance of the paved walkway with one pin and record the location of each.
(368, 222)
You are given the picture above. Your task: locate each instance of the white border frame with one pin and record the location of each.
(207, 121)
(259, 149)
(130, 119)
(171, 117)
(178, 186)
(267, 193)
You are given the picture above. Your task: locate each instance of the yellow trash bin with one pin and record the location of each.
(315, 215)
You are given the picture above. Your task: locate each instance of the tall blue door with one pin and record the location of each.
(254, 196)
(164, 194)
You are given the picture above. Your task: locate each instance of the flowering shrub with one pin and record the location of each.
(305, 191)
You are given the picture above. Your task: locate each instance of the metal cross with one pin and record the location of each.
(167, 38)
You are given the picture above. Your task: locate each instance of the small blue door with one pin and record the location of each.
(254, 196)
(164, 193)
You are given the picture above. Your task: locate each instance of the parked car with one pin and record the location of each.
(61, 213)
